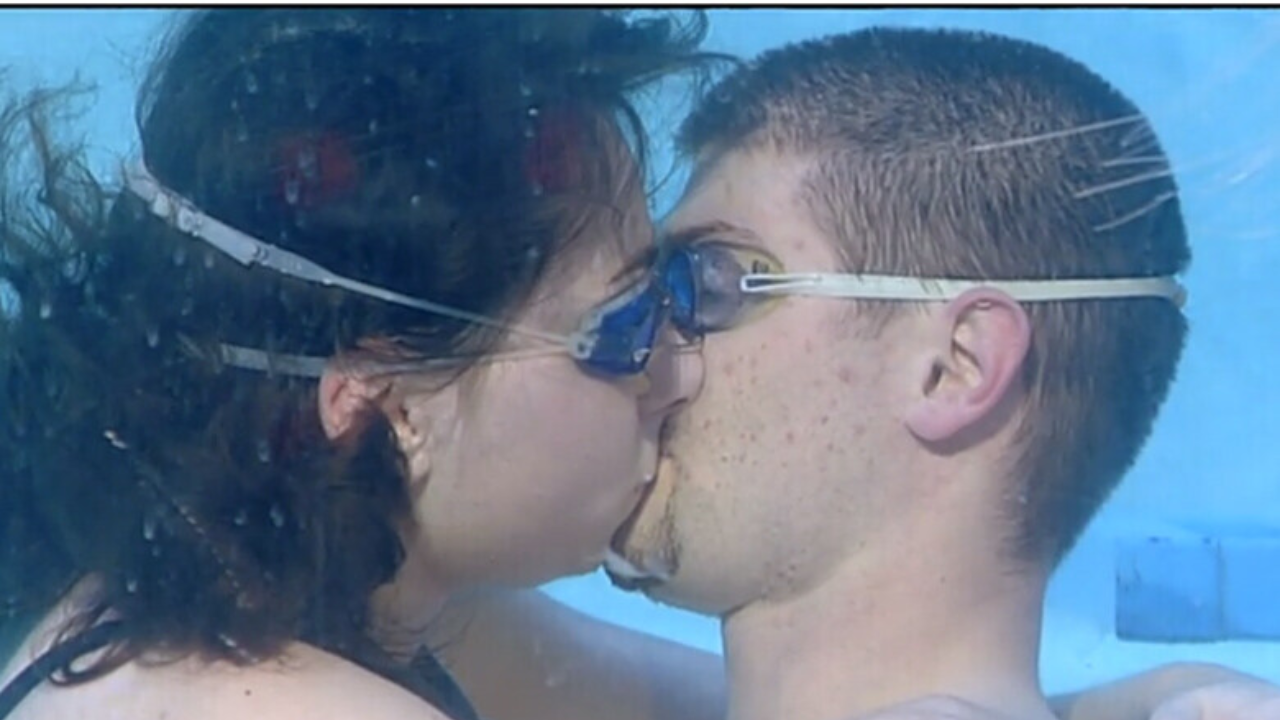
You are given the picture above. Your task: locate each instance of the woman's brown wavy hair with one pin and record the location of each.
(452, 155)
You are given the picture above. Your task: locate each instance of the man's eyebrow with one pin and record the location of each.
(686, 236)
(702, 231)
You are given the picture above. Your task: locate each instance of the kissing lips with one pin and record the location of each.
(640, 554)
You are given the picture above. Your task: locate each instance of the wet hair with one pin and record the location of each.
(939, 153)
(453, 155)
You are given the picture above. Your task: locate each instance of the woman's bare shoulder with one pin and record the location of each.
(303, 684)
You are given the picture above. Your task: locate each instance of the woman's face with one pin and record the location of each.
(522, 470)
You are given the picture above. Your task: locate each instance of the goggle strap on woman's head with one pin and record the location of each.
(312, 366)
(184, 216)
(888, 287)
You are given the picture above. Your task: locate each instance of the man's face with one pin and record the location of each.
(770, 475)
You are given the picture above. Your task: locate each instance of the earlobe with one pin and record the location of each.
(979, 359)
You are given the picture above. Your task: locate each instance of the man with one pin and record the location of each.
(872, 493)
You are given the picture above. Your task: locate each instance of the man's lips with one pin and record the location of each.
(637, 555)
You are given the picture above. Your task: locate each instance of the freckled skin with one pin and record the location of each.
(788, 385)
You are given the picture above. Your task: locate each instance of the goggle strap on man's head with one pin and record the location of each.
(184, 216)
(889, 287)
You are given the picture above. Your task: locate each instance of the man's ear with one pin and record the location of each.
(982, 342)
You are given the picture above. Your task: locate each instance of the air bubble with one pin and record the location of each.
(308, 163)
(373, 127)
(525, 90)
(415, 201)
(432, 163)
(208, 259)
(533, 112)
(311, 97)
(46, 310)
(153, 337)
(149, 529)
(368, 79)
(291, 191)
(264, 451)
(179, 256)
(251, 83)
(277, 515)
(242, 518)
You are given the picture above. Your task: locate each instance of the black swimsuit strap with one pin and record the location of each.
(55, 658)
(445, 691)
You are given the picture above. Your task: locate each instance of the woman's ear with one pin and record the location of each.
(346, 399)
(983, 340)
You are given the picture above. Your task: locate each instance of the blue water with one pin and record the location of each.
(1208, 484)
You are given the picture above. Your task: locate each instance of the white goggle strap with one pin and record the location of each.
(183, 215)
(889, 287)
(312, 366)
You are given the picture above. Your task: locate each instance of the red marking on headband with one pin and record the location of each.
(315, 169)
(553, 157)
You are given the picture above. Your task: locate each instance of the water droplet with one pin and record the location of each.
(242, 518)
(251, 83)
(149, 529)
(264, 451)
(46, 310)
(291, 191)
(277, 515)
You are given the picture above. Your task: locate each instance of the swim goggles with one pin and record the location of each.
(696, 287)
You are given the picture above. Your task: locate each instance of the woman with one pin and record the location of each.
(423, 209)
(438, 203)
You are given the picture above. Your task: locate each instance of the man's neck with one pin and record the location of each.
(881, 631)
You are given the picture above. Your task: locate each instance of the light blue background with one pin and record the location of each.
(1207, 80)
